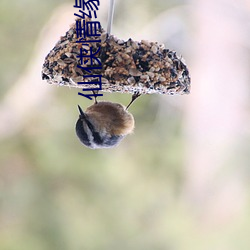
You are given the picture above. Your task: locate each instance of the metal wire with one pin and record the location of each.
(110, 15)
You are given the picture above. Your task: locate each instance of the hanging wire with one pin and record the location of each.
(110, 15)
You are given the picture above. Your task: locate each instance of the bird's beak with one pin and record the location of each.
(82, 115)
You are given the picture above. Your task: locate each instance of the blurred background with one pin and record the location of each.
(180, 182)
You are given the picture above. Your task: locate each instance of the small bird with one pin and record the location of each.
(104, 124)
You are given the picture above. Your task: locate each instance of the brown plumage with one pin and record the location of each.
(104, 125)
(111, 117)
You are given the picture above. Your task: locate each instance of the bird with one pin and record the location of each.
(104, 124)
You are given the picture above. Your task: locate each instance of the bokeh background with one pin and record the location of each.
(180, 182)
